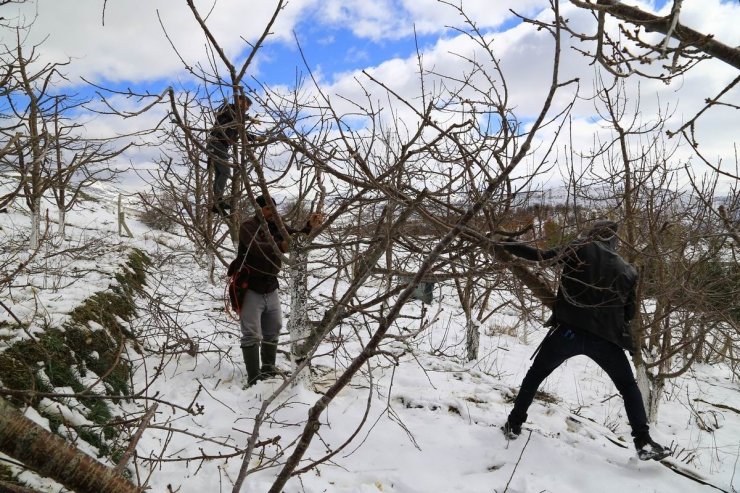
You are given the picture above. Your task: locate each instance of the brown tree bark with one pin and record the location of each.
(50, 456)
(539, 288)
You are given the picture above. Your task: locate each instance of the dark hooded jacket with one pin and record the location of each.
(597, 287)
(226, 129)
(256, 253)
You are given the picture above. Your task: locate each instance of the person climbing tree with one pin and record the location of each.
(223, 136)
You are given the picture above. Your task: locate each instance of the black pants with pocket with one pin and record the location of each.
(564, 343)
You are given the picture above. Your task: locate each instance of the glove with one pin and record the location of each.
(315, 220)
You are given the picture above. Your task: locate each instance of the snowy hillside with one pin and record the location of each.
(420, 418)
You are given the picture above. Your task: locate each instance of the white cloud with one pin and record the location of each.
(713, 17)
(396, 19)
(526, 58)
(132, 45)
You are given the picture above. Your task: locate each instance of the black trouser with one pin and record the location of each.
(218, 157)
(565, 343)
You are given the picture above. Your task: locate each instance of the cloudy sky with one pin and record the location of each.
(145, 45)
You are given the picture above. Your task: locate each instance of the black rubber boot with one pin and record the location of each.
(647, 449)
(252, 362)
(269, 354)
(511, 430)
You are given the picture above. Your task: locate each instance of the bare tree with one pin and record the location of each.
(45, 149)
(398, 193)
(629, 41)
(388, 168)
(46, 156)
(74, 162)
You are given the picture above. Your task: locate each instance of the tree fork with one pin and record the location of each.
(664, 25)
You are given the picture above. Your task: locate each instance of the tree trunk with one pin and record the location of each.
(299, 326)
(61, 226)
(651, 390)
(50, 456)
(472, 339)
(211, 267)
(36, 223)
(14, 488)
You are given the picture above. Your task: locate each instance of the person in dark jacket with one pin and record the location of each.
(593, 308)
(261, 316)
(223, 135)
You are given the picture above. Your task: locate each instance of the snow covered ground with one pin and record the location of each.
(433, 420)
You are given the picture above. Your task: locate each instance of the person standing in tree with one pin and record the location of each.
(593, 308)
(260, 317)
(223, 135)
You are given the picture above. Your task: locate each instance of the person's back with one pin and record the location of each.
(259, 255)
(225, 127)
(596, 290)
(593, 307)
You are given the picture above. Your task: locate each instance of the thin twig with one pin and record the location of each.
(518, 461)
(135, 440)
